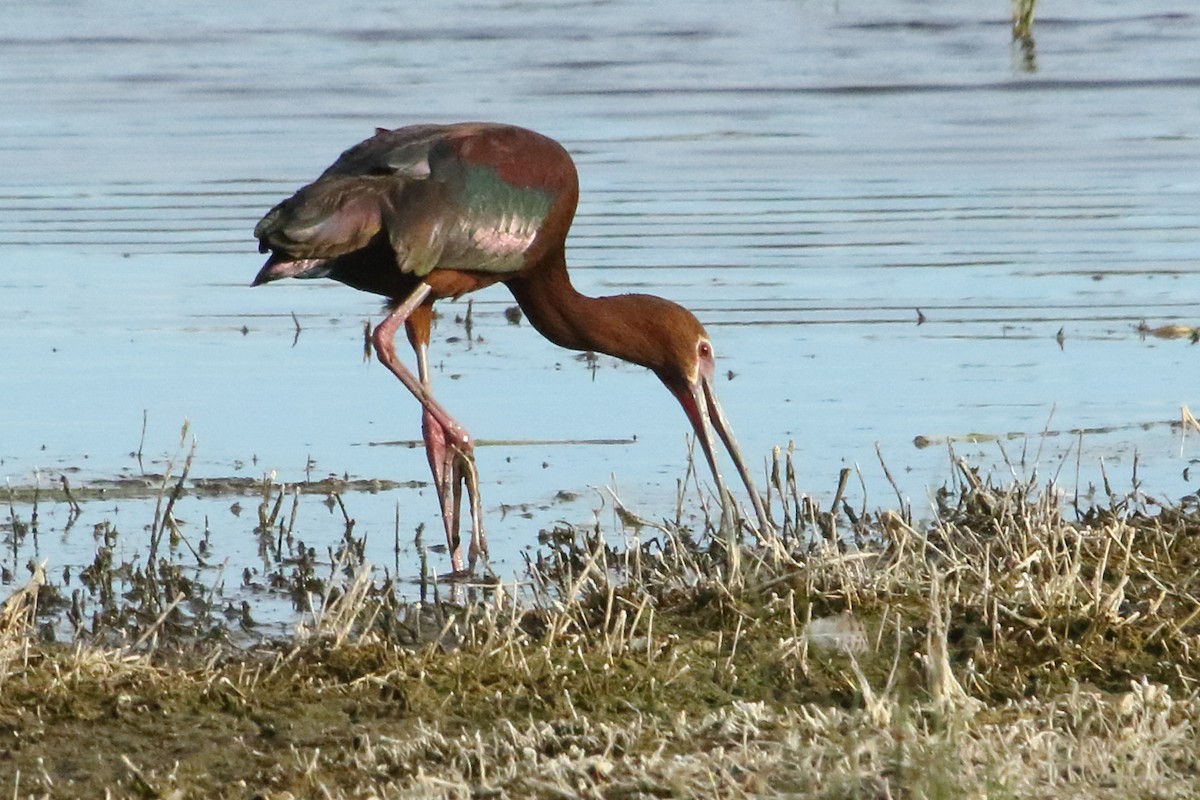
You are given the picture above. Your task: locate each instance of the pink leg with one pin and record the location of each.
(452, 468)
(441, 465)
(447, 444)
(384, 340)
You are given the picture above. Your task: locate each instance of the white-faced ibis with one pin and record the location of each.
(432, 211)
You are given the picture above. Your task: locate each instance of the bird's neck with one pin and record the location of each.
(615, 325)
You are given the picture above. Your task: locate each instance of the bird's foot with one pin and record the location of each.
(455, 576)
(452, 461)
(463, 577)
(462, 475)
(469, 477)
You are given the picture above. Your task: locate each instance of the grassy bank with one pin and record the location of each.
(1007, 647)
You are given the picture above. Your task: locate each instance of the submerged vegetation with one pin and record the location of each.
(1006, 647)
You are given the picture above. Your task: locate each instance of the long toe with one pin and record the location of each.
(445, 483)
(469, 476)
(450, 497)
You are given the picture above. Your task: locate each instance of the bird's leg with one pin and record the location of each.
(447, 444)
(441, 465)
(452, 467)
(384, 340)
(478, 548)
(441, 458)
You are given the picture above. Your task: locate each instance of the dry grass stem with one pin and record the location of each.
(998, 647)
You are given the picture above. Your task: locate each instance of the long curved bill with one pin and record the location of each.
(706, 417)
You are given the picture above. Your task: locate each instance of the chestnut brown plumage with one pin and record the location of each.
(432, 211)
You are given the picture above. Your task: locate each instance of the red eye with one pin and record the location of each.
(705, 350)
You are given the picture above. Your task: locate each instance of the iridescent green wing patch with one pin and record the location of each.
(497, 221)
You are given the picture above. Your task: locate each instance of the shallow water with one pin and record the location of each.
(804, 176)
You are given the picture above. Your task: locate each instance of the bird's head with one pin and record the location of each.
(328, 219)
(688, 370)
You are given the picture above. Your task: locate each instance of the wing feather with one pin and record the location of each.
(437, 208)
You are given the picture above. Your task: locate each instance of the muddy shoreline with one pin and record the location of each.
(1008, 645)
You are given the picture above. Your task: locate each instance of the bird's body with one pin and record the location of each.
(434, 211)
(459, 206)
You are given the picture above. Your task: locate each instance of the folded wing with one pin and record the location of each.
(441, 197)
